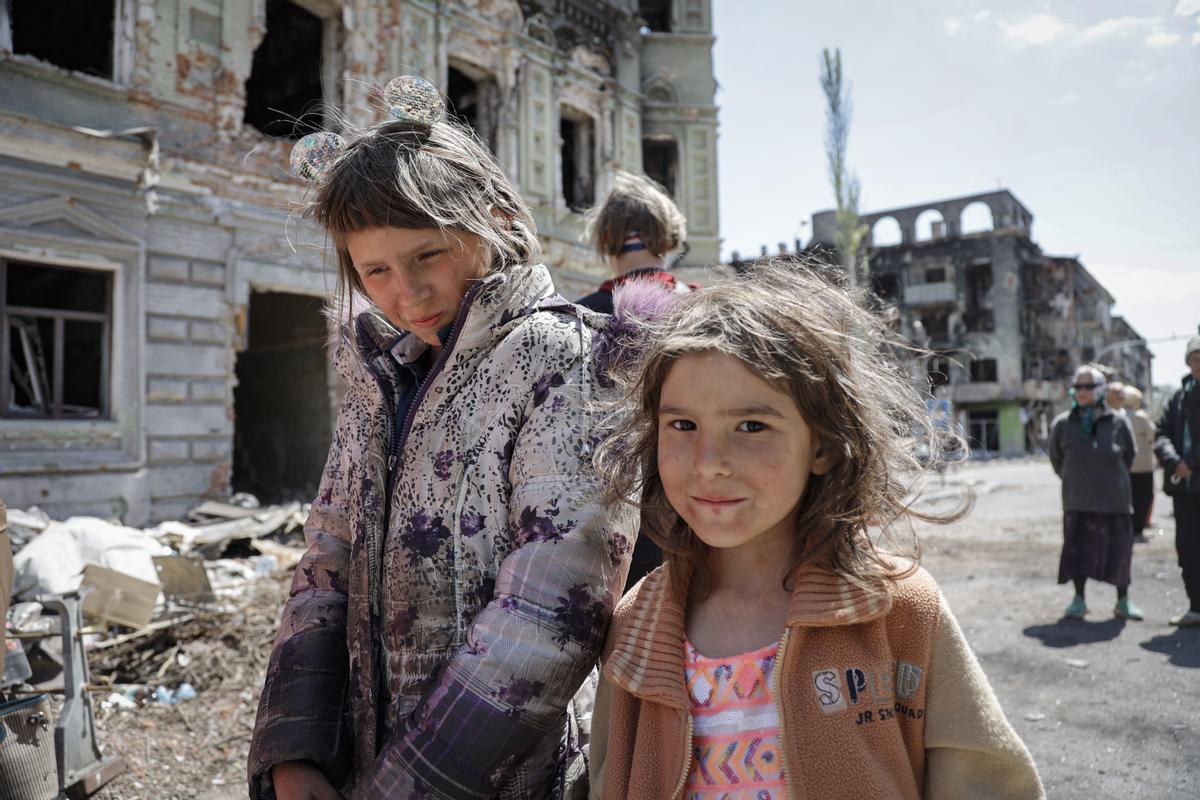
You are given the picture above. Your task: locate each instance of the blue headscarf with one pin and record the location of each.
(1088, 414)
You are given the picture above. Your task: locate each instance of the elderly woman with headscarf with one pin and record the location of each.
(1091, 450)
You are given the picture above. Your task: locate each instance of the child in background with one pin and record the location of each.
(779, 652)
(634, 229)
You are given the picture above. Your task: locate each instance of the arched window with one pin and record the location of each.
(886, 232)
(930, 225)
(976, 218)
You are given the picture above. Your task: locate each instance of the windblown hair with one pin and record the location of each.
(635, 203)
(405, 175)
(801, 330)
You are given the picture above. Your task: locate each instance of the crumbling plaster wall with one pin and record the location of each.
(197, 211)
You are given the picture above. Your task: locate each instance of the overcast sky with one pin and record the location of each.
(1087, 110)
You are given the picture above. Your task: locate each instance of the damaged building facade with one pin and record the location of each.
(161, 327)
(1007, 324)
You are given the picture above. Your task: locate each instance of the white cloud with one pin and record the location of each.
(1068, 99)
(1119, 26)
(984, 15)
(1185, 8)
(1038, 29)
(1196, 39)
(951, 25)
(1158, 41)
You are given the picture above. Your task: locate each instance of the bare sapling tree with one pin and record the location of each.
(851, 233)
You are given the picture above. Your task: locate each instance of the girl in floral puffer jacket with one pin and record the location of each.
(461, 571)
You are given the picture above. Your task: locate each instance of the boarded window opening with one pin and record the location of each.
(660, 162)
(283, 93)
(983, 370)
(55, 325)
(72, 34)
(474, 103)
(283, 422)
(577, 132)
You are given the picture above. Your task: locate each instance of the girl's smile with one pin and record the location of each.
(734, 453)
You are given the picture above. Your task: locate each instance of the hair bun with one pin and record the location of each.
(413, 99)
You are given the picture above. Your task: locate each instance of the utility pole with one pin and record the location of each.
(850, 233)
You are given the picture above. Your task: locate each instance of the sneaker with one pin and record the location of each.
(1186, 619)
(1140, 538)
(1125, 609)
(1077, 608)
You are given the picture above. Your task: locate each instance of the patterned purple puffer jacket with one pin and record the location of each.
(460, 573)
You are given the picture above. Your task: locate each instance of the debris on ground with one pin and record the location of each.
(180, 622)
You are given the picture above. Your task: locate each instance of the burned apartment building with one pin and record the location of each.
(1007, 324)
(161, 327)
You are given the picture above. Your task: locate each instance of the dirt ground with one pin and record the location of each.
(1109, 709)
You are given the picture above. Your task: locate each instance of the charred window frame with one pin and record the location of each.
(577, 137)
(474, 100)
(979, 316)
(983, 370)
(657, 14)
(92, 38)
(55, 341)
(295, 73)
(660, 162)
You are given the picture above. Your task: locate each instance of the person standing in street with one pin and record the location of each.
(1177, 446)
(1141, 474)
(1114, 396)
(1091, 450)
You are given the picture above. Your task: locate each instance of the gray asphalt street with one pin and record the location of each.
(1109, 708)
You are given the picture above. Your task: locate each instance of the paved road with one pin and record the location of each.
(1109, 709)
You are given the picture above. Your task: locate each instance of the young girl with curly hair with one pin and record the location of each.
(780, 651)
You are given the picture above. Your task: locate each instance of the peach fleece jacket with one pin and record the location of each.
(878, 693)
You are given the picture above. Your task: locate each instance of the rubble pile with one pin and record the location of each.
(178, 620)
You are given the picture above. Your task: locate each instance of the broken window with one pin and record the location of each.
(983, 370)
(937, 275)
(978, 315)
(660, 162)
(657, 14)
(475, 104)
(281, 403)
(577, 132)
(937, 325)
(930, 225)
(983, 431)
(72, 34)
(296, 58)
(55, 325)
(938, 371)
(885, 286)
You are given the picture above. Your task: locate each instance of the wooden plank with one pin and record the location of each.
(215, 508)
(184, 579)
(118, 597)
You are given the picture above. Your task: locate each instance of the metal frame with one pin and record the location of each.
(59, 318)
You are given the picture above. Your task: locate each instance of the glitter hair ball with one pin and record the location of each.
(413, 99)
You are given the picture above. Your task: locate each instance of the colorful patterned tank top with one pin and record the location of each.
(735, 738)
